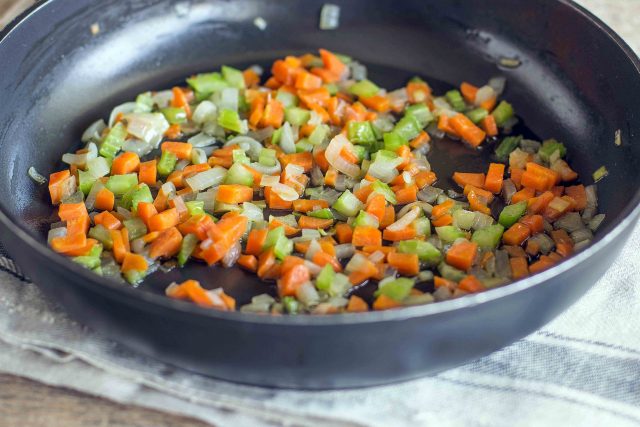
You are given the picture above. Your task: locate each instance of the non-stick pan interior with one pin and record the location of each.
(57, 77)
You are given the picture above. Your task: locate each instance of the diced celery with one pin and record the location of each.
(502, 113)
(291, 305)
(449, 233)
(85, 181)
(230, 120)
(187, 247)
(195, 207)
(286, 98)
(144, 102)
(382, 188)
(134, 276)
(421, 112)
(233, 77)
(506, 146)
(239, 156)
(304, 146)
(167, 163)
(408, 127)
(332, 88)
(101, 234)
(512, 213)
(319, 134)
(455, 99)
(347, 204)
(365, 219)
(275, 136)
(422, 226)
(135, 227)
(477, 115)
(463, 218)
(272, 237)
(174, 115)
(283, 247)
(426, 251)
(361, 132)
(335, 285)
(99, 167)
(120, 184)
(364, 89)
(324, 213)
(142, 194)
(238, 174)
(267, 157)
(207, 83)
(90, 260)
(397, 289)
(326, 276)
(297, 116)
(112, 142)
(450, 273)
(360, 152)
(488, 237)
(393, 141)
(549, 147)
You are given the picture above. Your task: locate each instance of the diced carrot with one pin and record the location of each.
(577, 193)
(70, 211)
(251, 78)
(467, 129)
(534, 222)
(191, 170)
(384, 302)
(182, 150)
(69, 244)
(516, 176)
(214, 252)
(408, 194)
(307, 205)
(126, 162)
(445, 126)
(256, 111)
(58, 181)
(248, 262)
(167, 244)
(104, 200)
(133, 262)
(524, 194)
(420, 140)
(398, 235)
(150, 237)
(440, 282)
(119, 244)
(538, 177)
(485, 196)
(463, 179)
(442, 220)
(344, 233)
(462, 255)
(322, 258)
(107, 220)
(542, 264)
(198, 225)
(145, 211)
(377, 103)
(488, 124)
(292, 280)
(273, 114)
(376, 206)
(471, 284)
(314, 223)
(173, 131)
(163, 220)
(332, 63)
(538, 204)
(357, 305)
(469, 92)
(366, 236)
(425, 178)
(288, 230)
(495, 175)
(516, 234)
(478, 203)
(78, 225)
(306, 80)
(274, 201)
(418, 92)
(489, 103)
(519, 267)
(406, 264)
(442, 209)
(234, 193)
(304, 160)
(180, 100)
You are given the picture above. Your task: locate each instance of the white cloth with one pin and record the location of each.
(581, 369)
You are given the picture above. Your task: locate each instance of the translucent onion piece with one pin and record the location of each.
(266, 170)
(201, 140)
(56, 232)
(209, 199)
(209, 178)
(508, 190)
(126, 108)
(307, 294)
(333, 156)
(205, 112)
(345, 250)
(376, 257)
(149, 127)
(314, 247)
(269, 180)
(285, 192)
(183, 163)
(398, 98)
(406, 220)
(232, 255)
(33, 173)
(287, 139)
(293, 170)
(314, 268)
(261, 134)
(162, 98)
(329, 17)
(484, 94)
(595, 222)
(498, 84)
(93, 132)
(81, 159)
(137, 146)
(124, 212)
(90, 201)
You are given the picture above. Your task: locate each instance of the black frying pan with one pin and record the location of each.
(578, 82)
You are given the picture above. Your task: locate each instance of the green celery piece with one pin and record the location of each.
(488, 237)
(297, 116)
(142, 194)
(243, 105)
(286, 98)
(283, 247)
(85, 181)
(397, 289)
(455, 99)
(334, 284)
(135, 227)
(125, 201)
(364, 89)
(230, 120)
(382, 188)
(477, 115)
(393, 141)
(275, 137)
(167, 163)
(233, 77)
(426, 251)
(365, 219)
(239, 156)
(120, 184)
(408, 127)
(449, 233)
(207, 83)
(319, 134)
(422, 226)
(325, 278)
(361, 132)
(502, 113)
(174, 115)
(304, 146)
(506, 146)
(463, 218)
(267, 157)
(101, 234)
(238, 174)
(450, 273)
(512, 213)
(549, 147)
(332, 88)
(347, 204)
(112, 142)
(97, 270)
(272, 237)
(195, 207)
(187, 247)
(421, 112)
(134, 276)
(324, 213)
(145, 102)
(90, 260)
(360, 152)
(291, 305)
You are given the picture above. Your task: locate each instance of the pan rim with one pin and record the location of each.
(130, 295)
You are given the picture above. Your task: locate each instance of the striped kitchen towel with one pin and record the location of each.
(581, 369)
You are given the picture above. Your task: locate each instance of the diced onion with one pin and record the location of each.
(569, 222)
(261, 134)
(285, 192)
(232, 255)
(33, 173)
(266, 170)
(90, 201)
(293, 170)
(376, 257)
(126, 214)
(581, 235)
(498, 84)
(269, 180)
(406, 220)
(198, 156)
(344, 250)
(149, 127)
(206, 179)
(162, 98)
(484, 94)
(81, 159)
(313, 248)
(209, 198)
(595, 222)
(332, 153)
(126, 108)
(56, 232)
(329, 17)
(93, 132)
(137, 146)
(314, 268)
(307, 294)
(287, 139)
(201, 140)
(260, 23)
